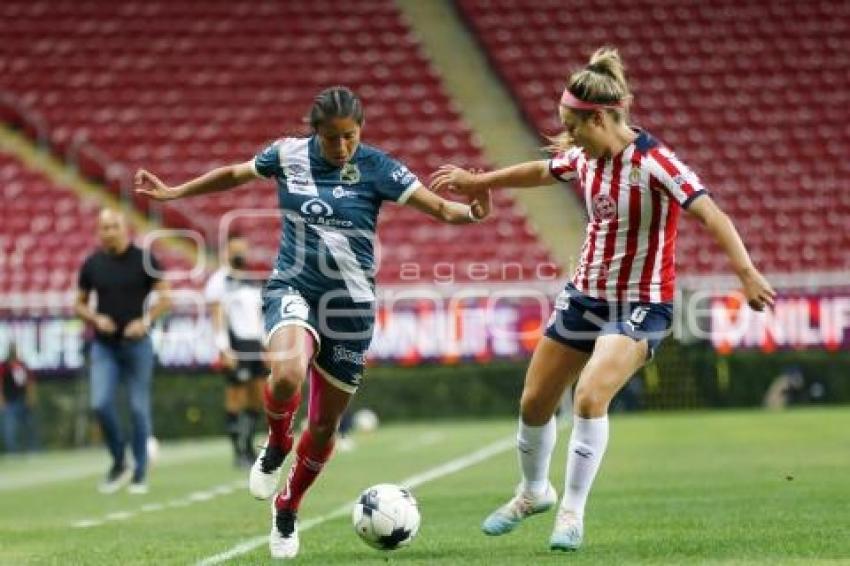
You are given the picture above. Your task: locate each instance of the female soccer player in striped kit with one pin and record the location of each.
(319, 301)
(615, 311)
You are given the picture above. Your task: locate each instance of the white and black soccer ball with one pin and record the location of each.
(386, 516)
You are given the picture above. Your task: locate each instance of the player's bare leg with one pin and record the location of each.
(615, 359)
(553, 368)
(291, 349)
(325, 409)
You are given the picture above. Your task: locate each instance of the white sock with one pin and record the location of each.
(534, 448)
(587, 446)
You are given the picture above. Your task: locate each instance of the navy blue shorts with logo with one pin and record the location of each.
(578, 320)
(342, 329)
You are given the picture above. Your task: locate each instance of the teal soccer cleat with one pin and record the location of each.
(506, 518)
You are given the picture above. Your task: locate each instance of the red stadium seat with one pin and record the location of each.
(720, 83)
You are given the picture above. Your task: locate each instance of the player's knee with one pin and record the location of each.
(589, 402)
(533, 409)
(287, 376)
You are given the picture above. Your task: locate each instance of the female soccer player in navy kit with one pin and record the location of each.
(610, 318)
(319, 301)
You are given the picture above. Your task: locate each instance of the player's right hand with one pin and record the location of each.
(104, 324)
(454, 178)
(148, 184)
(758, 291)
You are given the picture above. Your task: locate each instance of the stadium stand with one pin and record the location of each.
(181, 87)
(46, 231)
(753, 95)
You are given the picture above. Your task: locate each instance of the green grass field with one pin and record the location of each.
(732, 487)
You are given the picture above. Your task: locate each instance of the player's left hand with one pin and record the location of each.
(453, 178)
(758, 291)
(135, 329)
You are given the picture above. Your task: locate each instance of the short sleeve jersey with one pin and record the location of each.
(330, 214)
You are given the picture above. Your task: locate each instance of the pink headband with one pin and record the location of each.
(570, 101)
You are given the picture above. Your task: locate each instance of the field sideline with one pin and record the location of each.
(719, 487)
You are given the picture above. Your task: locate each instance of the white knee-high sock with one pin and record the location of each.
(534, 448)
(587, 446)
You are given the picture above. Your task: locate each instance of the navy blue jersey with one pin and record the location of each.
(329, 215)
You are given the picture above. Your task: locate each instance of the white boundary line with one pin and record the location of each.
(191, 499)
(438, 472)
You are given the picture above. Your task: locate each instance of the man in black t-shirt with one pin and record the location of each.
(122, 276)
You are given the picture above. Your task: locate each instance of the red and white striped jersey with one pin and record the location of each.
(633, 202)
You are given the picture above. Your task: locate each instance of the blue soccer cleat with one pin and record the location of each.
(506, 518)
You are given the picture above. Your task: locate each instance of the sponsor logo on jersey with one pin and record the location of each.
(350, 173)
(297, 176)
(295, 170)
(316, 207)
(604, 207)
(402, 175)
(343, 354)
(340, 192)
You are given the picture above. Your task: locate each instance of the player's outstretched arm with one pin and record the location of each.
(522, 175)
(220, 179)
(758, 291)
(450, 212)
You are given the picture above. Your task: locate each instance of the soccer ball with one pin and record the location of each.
(365, 420)
(386, 516)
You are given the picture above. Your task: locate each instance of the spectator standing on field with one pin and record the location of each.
(122, 276)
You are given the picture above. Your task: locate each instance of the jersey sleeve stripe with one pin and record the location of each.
(405, 195)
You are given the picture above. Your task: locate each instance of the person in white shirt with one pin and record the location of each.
(235, 303)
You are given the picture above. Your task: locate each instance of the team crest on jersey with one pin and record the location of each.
(350, 173)
(604, 207)
(634, 176)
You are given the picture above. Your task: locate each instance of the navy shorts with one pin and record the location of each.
(342, 329)
(249, 361)
(578, 320)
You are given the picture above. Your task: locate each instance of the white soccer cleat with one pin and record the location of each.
(265, 473)
(283, 539)
(507, 517)
(568, 532)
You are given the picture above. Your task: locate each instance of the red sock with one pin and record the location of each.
(280, 415)
(308, 465)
